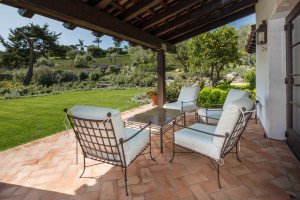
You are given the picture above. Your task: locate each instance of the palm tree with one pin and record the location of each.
(81, 45)
(97, 41)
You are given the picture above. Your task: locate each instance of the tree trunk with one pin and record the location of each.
(31, 60)
(30, 69)
(211, 77)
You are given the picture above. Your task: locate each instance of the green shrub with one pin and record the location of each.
(96, 51)
(45, 62)
(6, 77)
(83, 76)
(67, 77)
(48, 79)
(149, 67)
(113, 69)
(20, 75)
(94, 76)
(73, 53)
(250, 77)
(212, 96)
(82, 61)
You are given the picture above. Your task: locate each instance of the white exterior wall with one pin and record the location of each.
(270, 72)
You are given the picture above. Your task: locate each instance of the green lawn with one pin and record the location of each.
(27, 119)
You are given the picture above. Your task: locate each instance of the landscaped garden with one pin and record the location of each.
(118, 77)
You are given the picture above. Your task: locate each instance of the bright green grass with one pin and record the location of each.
(28, 119)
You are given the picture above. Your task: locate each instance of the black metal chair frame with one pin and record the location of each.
(208, 109)
(230, 140)
(114, 152)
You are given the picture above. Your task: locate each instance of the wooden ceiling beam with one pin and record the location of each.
(169, 12)
(138, 9)
(211, 18)
(102, 4)
(197, 13)
(235, 16)
(83, 15)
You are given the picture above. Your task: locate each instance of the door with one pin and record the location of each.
(292, 28)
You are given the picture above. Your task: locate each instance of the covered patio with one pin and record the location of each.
(47, 169)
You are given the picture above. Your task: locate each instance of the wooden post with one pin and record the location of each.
(161, 77)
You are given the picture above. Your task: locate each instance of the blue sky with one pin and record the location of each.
(68, 37)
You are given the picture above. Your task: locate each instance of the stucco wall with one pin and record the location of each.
(270, 72)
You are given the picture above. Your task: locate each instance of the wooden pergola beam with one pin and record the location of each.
(238, 15)
(102, 4)
(197, 13)
(169, 12)
(138, 9)
(211, 18)
(83, 15)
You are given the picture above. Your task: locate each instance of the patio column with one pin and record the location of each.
(161, 77)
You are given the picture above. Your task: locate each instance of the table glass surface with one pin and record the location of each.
(158, 116)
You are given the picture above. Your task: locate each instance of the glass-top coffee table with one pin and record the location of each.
(161, 118)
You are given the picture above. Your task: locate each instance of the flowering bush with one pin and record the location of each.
(152, 93)
(7, 84)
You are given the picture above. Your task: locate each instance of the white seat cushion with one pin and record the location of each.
(211, 113)
(99, 113)
(230, 117)
(188, 94)
(177, 106)
(197, 141)
(235, 94)
(135, 144)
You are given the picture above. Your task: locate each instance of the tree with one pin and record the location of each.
(181, 55)
(81, 45)
(214, 51)
(97, 41)
(248, 59)
(141, 56)
(117, 42)
(30, 42)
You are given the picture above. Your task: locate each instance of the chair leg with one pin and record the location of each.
(125, 178)
(173, 144)
(150, 146)
(236, 152)
(218, 171)
(83, 166)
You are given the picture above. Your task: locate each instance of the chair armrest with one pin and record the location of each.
(122, 141)
(188, 101)
(175, 124)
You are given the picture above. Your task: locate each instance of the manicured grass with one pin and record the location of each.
(28, 119)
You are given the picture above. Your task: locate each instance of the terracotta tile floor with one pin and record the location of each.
(47, 169)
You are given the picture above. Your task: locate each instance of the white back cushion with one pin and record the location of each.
(230, 117)
(100, 113)
(90, 112)
(188, 94)
(235, 94)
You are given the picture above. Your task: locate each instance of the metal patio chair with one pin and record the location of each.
(103, 137)
(212, 115)
(215, 142)
(187, 101)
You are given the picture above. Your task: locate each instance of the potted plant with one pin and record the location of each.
(153, 95)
